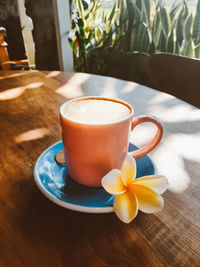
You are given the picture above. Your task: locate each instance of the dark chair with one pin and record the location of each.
(176, 75)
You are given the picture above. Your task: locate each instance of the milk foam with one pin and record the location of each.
(96, 111)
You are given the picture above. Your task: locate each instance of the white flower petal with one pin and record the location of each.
(148, 200)
(157, 183)
(128, 170)
(126, 206)
(112, 182)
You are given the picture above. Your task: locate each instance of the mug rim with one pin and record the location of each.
(97, 97)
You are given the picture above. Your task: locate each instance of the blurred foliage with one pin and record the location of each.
(117, 42)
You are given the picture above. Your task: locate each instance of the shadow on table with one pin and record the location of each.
(80, 238)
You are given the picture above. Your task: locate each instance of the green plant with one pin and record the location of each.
(92, 34)
(151, 26)
(118, 42)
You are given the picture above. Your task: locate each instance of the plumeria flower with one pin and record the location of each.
(133, 194)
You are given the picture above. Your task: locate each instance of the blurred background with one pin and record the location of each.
(116, 38)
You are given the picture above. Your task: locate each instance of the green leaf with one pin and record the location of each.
(174, 10)
(161, 42)
(187, 27)
(152, 48)
(156, 28)
(80, 8)
(147, 7)
(170, 46)
(189, 49)
(134, 20)
(186, 9)
(141, 39)
(138, 3)
(112, 13)
(177, 48)
(90, 10)
(134, 13)
(103, 17)
(179, 26)
(96, 25)
(197, 52)
(196, 27)
(107, 37)
(165, 21)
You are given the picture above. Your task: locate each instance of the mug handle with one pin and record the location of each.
(154, 142)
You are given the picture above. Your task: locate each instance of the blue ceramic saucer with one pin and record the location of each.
(57, 186)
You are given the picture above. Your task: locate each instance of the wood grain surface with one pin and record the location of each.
(37, 232)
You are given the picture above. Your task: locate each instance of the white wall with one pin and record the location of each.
(63, 25)
(26, 25)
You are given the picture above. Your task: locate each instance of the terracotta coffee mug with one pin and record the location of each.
(92, 150)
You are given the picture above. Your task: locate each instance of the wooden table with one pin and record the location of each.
(36, 232)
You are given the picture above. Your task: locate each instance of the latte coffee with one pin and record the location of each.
(96, 111)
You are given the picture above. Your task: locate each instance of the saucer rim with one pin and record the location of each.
(68, 205)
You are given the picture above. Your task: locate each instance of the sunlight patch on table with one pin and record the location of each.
(33, 85)
(11, 93)
(143, 134)
(69, 92)
(172, 167)
(18, 91)
(52, 74)
(32, 135)
(73, 87)
(161, 104)
(109, 88)
(182, 113)
(8, 75)
(185, 144)
(129, 87)
(160, 98)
